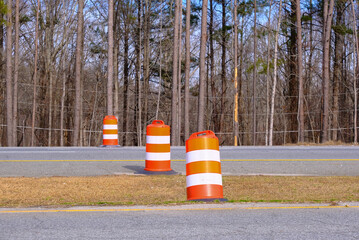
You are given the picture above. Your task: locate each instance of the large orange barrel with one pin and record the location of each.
(203, 167)
(158, 155)
(110, 131)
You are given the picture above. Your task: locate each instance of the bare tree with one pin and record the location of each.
(235, 63)
(78, 90)
(338, 65)
(110, 60)
(174, 123)
(9, 83)
(35, 75)
(310, 64)
(327, 25)
(126, 32)
(291, 88)
(300, 69)
(356, 53)
(62, 112)
(160, 64)
(268, 70)
(179, 89)
(202, 68)
(187, 69)
(223, 66)
(146, 59)
(16, 70)
(254, 84)
(211, 53)
(138, 75)
(48, 66)
(275, 75)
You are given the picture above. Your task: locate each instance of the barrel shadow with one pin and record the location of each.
(142, 171)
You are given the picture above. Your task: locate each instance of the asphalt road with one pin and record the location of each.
(71, 161)
(229, 221)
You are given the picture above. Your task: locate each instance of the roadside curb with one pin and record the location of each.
(185, 207)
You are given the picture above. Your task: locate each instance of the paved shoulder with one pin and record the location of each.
(227, 221)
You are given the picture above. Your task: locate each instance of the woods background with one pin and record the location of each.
(255, 72)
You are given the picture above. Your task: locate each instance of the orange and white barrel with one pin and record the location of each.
(203, 167)
(110, 131)
(158, 155)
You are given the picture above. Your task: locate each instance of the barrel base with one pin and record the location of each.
(147, 172)
(209, 200)
(158, 166)
(110, 146)
(158, 170)
(205, 191)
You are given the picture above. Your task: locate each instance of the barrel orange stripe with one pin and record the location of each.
(203, 167)
(158, 166)
(110, 121)
(202, 143)
(109, 131)
(204, 191)
(156, 131)
(110, 142)
(157, 147)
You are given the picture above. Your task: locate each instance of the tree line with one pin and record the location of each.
(255, 72)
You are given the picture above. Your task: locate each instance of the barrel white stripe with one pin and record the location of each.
(158, 139)
(204, 178)
(110, 136)
(158, 156)
(202, 155)
(110, 127)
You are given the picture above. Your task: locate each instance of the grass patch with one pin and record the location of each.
(148, 190)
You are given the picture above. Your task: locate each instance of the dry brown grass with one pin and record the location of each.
(138, 190)
(291, 189)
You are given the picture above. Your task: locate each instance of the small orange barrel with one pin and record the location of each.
(203, 167)
(158, 155)
(110, 131)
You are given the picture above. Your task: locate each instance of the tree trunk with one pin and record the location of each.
(300, 69)
(275, 76)
(63, 98)
(254, 84)
(116, 102)
(179, 112)
(174, 125)
(146, 61)
(16, 71)
(35, 76)
(49, 32)
(202, 68)
(138, 77)
(223, 73)
(216, 116)
(268, 70)
(110, 60)
(292, 86)
(356, 66)
(338, 67)
(235, 63)
(9, 83)
(327, 25)
(160, 65)
(187, 69)
(78, 80)
(3, 133)
(125, 78)
(243, 126)
(310, 68)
